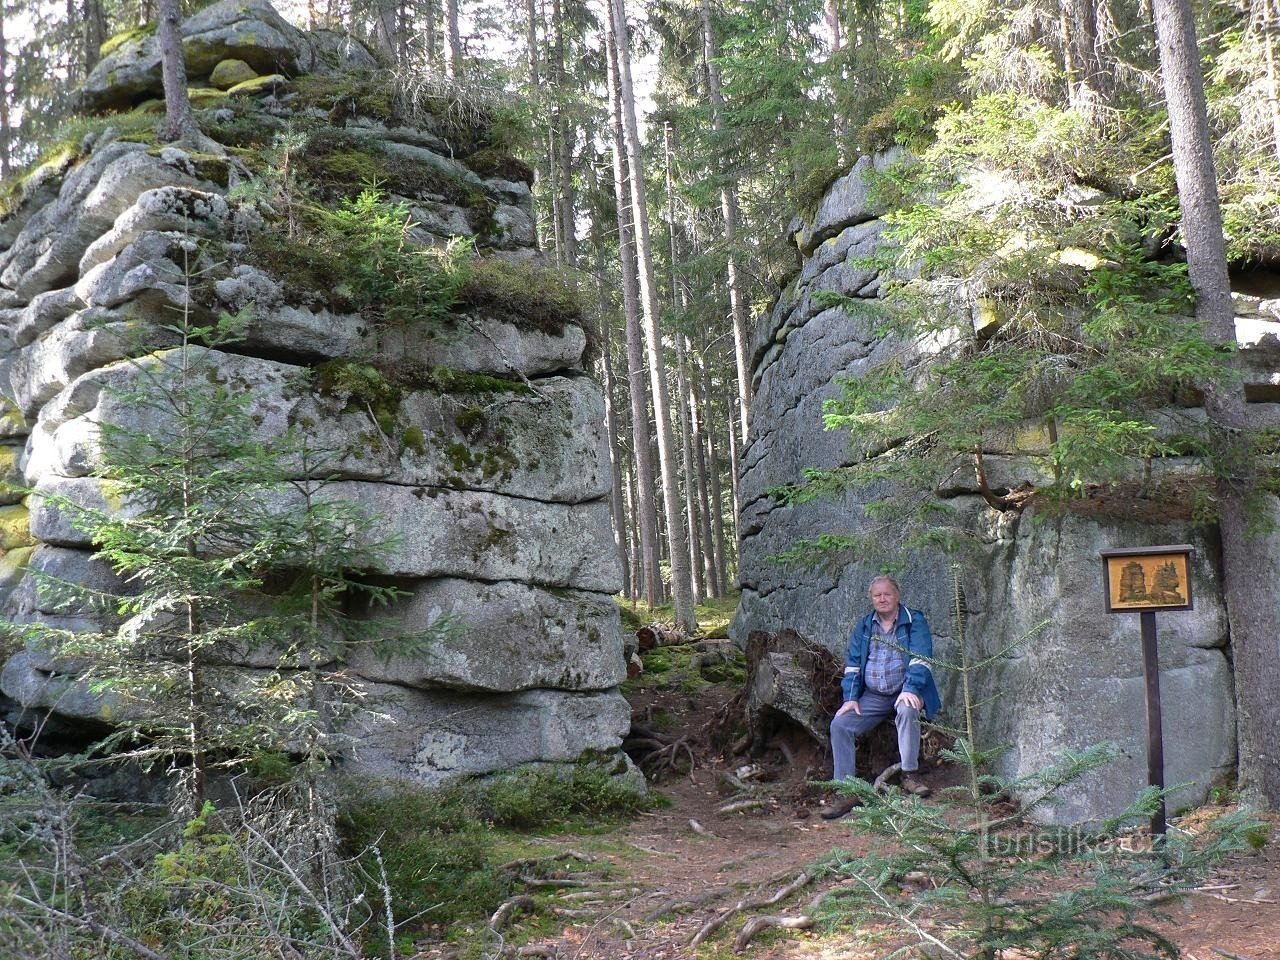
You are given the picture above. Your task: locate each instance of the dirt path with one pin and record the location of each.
(668, 877)
(760, 851)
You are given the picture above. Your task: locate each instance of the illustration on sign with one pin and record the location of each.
(1148, 581)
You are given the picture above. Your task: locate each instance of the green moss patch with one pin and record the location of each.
(248, 127)
(344, 164)
(65, 148)
(447, 854)
(114, 43)
(529, 295)
(496, 162)
(348, 94)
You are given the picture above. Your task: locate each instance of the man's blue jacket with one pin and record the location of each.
(915, 644)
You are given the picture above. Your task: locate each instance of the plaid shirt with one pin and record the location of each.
(885, 669)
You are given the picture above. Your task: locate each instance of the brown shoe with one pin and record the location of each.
(839, 807)
(910, 784)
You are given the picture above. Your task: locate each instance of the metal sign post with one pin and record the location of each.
(1144, 580)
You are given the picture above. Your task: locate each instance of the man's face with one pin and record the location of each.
(884, 598)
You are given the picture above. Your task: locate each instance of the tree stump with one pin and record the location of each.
(793, 683)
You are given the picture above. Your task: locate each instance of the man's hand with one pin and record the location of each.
(849, 705)
(909, 699)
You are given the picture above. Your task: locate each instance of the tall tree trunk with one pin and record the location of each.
(386, 28)
(729, 211)
(693, 529)
(564, 146)
(709, 577)
(718, 542)
(1250, 564)
(179, 118)
(1268, 25)
(94, 33)
(1080, 50)
(733, 479)
(831, 11)
(680, 575)
(452, 40)
(646, 496)
(610, 417)
(634, 548)
(6, 143)
(693, 525)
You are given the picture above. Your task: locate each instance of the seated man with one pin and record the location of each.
(886, 670)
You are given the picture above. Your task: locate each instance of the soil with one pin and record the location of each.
(686, 863)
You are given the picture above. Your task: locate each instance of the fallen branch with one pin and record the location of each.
(757, 924)
(507, 910)
(718, 921)
(737, 806)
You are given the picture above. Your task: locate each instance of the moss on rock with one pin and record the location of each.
(496, 162)
(230, 72)
(529, 295)
(258, 86)
(115, 42)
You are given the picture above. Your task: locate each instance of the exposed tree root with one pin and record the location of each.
(757, 924)
(718, 921)
(882, 781)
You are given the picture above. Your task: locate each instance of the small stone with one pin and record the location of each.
(229, 73)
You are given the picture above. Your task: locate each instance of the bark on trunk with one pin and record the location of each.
(179, 118)
(693, 526)
(679, 557)
(646, 496)
(452, 40)
(1273, 80)
(564, 148)
(718, 542)
(610, 417)
(94, 33)
(1253, 609)
(729, 211)
(709, 575)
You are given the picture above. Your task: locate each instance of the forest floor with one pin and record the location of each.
(664, 874)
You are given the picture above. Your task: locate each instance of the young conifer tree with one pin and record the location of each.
(228, 543)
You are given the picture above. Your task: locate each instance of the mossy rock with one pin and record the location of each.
(13, 562)
(228, 73)
(202, 98)
(114, 43)
(529, 295)
(495, 162)
(152, 107)
(346, 95)
(247, 125)
(51, 165)
(258, 86)
(346, 163)
(15, 527)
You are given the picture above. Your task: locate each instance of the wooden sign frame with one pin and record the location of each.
(1146, 579)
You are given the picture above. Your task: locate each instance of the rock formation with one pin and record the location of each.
(1081, 681)
(474, 436)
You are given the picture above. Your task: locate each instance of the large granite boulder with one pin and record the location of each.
(472, 438)
(1079, 681)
